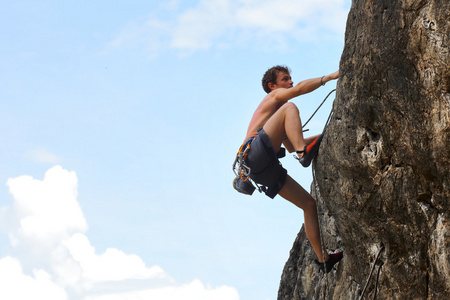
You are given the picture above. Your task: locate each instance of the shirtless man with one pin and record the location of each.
(277, 121)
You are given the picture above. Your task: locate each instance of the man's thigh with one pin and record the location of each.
(295, 193)
(274, 127)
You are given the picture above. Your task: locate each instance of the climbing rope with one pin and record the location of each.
(370, 275)
(304, 125)
(327, 291)
(376, 282)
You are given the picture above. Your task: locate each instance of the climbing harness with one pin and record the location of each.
(370, 275)
(242, 183)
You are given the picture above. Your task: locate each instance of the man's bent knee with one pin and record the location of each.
(290, 106)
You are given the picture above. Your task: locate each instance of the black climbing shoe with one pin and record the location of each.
(310, 151)
(332, 260)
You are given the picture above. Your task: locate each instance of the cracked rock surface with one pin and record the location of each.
(383, 170)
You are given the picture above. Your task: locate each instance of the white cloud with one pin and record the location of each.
(42, 155)
(192, 291)
(274, 16)
(199, 27)
(46, 210)
(113, 265)
(217, 22)
(14, 284)
(52, 258)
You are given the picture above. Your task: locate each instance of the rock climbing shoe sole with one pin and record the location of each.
(311, 151)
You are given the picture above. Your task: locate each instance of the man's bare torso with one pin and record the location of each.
(265, 110)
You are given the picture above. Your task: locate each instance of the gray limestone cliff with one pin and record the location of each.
(383, 169)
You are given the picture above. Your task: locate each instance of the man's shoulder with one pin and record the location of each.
(270, 103)
(273, 95)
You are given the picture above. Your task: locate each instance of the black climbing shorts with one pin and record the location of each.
(265, 167)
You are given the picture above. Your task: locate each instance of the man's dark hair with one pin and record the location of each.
(271, 76)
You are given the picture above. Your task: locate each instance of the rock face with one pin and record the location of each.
(383, 170)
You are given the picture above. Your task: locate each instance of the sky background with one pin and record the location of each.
(119, 124)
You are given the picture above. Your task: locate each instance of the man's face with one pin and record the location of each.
(284, 81)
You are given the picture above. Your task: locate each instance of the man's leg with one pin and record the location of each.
(310, 139)
(285, 121)
(295, 193)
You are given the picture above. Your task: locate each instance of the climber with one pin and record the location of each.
(277, 121)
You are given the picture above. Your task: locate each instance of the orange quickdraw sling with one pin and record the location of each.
(242, 170)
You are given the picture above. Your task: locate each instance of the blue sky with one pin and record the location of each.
(119, 126)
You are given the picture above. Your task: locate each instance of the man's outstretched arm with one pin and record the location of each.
(303, 87)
